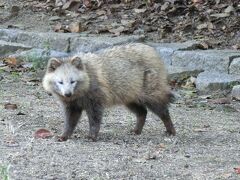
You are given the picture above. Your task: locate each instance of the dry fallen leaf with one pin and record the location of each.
(71, 5)
(220, 15)
(229, 9)
(10, 142)
(59, 3)
(128, 23)
(75, 27)
(162, 146)
(139, 10)
(200, 130)
(190, 83)
(226, 175)
(10, 106)
(1, 63)
(15, 10)
(197, 1)
(54, 18)
(237, 170)
(67, 4)
(87, 3)
(236, 46)
(165, 6)
(39, 5)
(203, 45)
(101, 12)
(57, 27)
(11, 61)
(43, 133)
(117, 31)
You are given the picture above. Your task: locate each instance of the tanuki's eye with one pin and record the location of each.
(60, 82)
(72, 82)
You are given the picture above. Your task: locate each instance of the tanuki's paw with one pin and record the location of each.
(135, 131)
(171, 132)
(92, 138)
(62, 138)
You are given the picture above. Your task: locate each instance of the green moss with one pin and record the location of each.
(15, 74)
(4, 173)
(38, 62)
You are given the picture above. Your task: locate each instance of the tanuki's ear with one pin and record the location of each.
(53, 64)
(77, 62)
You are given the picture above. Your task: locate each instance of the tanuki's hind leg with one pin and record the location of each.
(141, 113)
(94, 113)
(161, 110)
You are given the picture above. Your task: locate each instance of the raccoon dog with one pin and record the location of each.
(132, 75)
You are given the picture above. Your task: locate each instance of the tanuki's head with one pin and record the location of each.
(66, 78)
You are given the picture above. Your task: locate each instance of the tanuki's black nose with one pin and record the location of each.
(68, 94)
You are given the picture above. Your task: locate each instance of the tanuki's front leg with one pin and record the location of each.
(72, 114)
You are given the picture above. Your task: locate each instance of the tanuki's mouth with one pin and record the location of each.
(67, 98)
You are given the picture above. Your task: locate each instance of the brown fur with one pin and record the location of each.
(129, 73)
(132, 75)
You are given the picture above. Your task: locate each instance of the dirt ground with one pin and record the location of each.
(206, 145)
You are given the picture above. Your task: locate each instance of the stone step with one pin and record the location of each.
(208, 60)
(214, 81)
(180, 74)
(166, 50)
(7, 48)
(234, 67)
(65, 42)
(236, 92)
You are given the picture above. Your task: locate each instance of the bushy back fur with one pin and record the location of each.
(123, 74)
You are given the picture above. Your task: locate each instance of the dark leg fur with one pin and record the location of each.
(141, 113)
(162, 111)
(94, 112)
(72, 115)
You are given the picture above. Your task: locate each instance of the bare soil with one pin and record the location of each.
(206, 145)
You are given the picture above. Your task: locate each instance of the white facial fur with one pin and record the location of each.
(66, 80)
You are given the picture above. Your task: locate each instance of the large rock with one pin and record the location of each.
(95, 43)
(166, 50)
(213, 81)
(208, 60)
(71, 42)
(54, 41)
(8, 47)
(234, 67)
(236, 92)
(180, 73)
(38, 53)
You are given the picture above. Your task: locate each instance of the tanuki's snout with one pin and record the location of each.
(68, 94)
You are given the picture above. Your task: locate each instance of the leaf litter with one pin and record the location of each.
(215, 22)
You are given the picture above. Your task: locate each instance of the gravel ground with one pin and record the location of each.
(206, 145)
